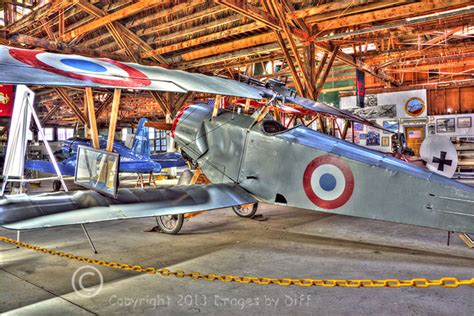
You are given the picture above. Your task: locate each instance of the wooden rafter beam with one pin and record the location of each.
(163, 14)
(185, 19)
(250, 41)
(359, 64)
(230, 56)
(320, 68)
(270, 9)
(402, 11)
(109, 18)
(404, 23)
(341, 8)
(103, 106)
(433, 41)
(181, 101)
(118, 30)
(304, 36)
(161, 102)
(204, 39)
(48, 116)
(47, 29)
(306, 79)
(113, 119)
(35, 16)
(194, 30)
(89, 98)
(62, 92)
(252, 12)
(291, 65)
(416, 54)
(325, 74)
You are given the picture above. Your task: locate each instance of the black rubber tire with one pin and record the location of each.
(168, 227)
(56, 185)
(246, 213)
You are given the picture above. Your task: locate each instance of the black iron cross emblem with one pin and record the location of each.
(442, 161)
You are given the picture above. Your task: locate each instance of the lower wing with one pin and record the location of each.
(82, 207)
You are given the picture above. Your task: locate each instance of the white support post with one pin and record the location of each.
(48, 148)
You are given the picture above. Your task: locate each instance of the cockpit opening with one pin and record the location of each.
(272, 127)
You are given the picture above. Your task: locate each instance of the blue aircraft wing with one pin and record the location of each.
(168, 160)
(67, 167)
(139, 167)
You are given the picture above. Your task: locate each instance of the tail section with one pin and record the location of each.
(141, 141)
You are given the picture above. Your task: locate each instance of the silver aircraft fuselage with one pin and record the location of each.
(303, 168)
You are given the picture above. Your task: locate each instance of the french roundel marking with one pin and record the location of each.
(99, 71)
(328, 182)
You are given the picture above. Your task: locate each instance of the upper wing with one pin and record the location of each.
(319, 107)
(81, 207)
(34, 67)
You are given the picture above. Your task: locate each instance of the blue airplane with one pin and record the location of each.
(136, 159)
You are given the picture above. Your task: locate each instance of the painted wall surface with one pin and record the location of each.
(364, 131)
(400, 99)
(347, 102)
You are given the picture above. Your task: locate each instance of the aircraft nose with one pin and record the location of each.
(177, 118)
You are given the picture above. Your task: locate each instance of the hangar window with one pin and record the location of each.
(158, 141)
(48, 133)
(65, 133)
(272, 127)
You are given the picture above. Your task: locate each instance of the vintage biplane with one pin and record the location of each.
(248, 159)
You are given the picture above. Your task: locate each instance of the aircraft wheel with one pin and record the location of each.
(170, 224)
(246, 210)
(56, 185)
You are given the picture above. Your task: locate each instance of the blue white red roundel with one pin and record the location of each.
(328, 182)
(99, 71)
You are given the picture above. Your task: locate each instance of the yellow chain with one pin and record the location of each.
(391, 283)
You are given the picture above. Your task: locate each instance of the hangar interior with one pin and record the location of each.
(340, 132)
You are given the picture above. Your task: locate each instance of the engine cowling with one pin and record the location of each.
(188, 129)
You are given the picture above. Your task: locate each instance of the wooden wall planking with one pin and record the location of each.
(451, 100)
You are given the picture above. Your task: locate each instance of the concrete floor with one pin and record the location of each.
(291, 243)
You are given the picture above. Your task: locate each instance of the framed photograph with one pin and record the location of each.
(392, 126)
(385, 141)
(361, 136)
(445, 125)
(358, 127)
(431, 129)
(451, 125)
(373, 139)
(464, 122)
